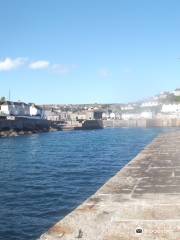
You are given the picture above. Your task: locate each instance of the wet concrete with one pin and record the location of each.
(141, 202)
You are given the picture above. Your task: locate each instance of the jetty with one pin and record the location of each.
(141, 202)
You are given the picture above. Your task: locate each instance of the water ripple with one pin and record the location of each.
(44, 176)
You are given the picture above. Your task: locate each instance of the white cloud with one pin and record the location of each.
(39, 65)
(63, 69)
(104, 73)
(10, 64)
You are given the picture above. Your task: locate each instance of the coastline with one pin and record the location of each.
(14, 133)
(26, 126)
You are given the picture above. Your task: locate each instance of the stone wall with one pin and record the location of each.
(142, 123)
(92, 124)
(24, 124)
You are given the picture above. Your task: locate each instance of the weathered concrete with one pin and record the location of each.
(141, 202)
(156, 122)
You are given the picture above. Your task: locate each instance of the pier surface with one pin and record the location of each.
(141, 202)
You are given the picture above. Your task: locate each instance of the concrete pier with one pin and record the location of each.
(141, 202)
(142, 123)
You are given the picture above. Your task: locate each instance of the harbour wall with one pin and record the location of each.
(22, 126)
(141, 202)
(92, 124)
(75, 125)
(146, 123)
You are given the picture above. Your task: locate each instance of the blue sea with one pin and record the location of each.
(45, 176)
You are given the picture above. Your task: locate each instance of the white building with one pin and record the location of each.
(112, 115)
(150, 104)
(105, 116)
(128, 116)
(146, 115)
(177, 92)
(127, 107)
(118, 115)
(36, 111)
(20, 109)
(51, 116)
(163, 95)
(170, 108)
(14, 108)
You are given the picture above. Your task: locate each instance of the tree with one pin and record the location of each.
(2, 99)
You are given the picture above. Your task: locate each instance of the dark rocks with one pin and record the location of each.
(15, 133)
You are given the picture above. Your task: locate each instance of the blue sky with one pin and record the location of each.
(86, 51)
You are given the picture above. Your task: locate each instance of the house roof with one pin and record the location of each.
(13, 103)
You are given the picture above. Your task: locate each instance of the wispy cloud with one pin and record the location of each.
(104, 73)
(38, 65)
(63, 68)
(9, 64)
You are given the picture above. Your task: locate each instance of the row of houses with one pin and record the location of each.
(155, 101)
(21, 109)
(166, 110)
(89, 114)
(127, 116)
